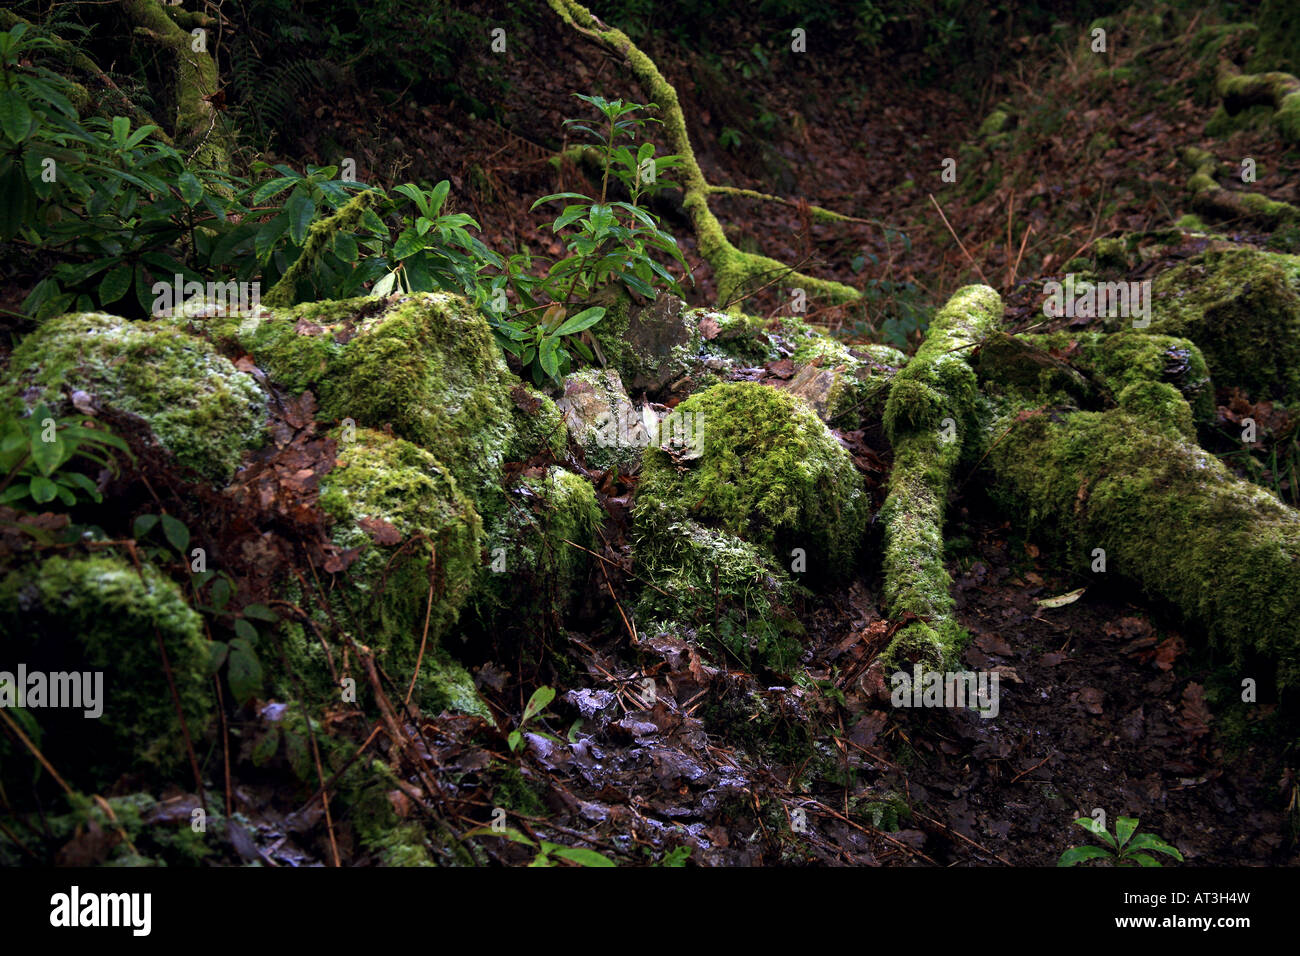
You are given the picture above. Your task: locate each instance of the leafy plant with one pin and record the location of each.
(537, 703)
(33, 451)
(546, 850)
(1122, 849)
(607, 240)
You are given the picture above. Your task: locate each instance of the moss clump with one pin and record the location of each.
(1242, 308)
(198, 405)
(532, 570)
(768, 472)
(930, 419)
(101, 614)
(425, 365)
(723, 588)
(379, 477)
(1168, 515)
(1130, 356)
(538, 426)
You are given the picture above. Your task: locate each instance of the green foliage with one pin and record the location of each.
(537, 703)
(607, 240)
(1122, 849)
(34, 450)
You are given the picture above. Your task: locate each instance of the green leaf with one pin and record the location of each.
(176, 533)
(301, 210)
(437, 196)
(245, 630)
(121, 129)
(513, 739)
(47, 455)
(1078, 854)
(570, 214)
(115, 284)
(1149, 841)
(190, 188)
(1124, 827)
(42, 489)
(559, 196)
(143, 525)
(583, 320)
(16, 118)
(537, 703)
(217, 653)
(582, 855)
(245, 673)
(260, 612)
(546, 356)
(408, 243)
(221, 591)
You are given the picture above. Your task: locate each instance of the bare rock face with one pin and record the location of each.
(602, 420)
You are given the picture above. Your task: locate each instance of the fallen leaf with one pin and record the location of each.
(1061, 599)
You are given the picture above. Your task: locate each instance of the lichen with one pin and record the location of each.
(601, 419)
(198, 405)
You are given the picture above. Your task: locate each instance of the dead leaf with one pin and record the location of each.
(1061, 599)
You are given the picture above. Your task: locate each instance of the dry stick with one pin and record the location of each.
(1016, 269)
(424, 637)
(619, 566)
(631, 630)
(881, 833)
(180, 715)
(225, 742)
(959, 242)
(961, 836)
(1033, 768)
(13, 838)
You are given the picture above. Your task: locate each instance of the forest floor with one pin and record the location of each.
(1102, 703)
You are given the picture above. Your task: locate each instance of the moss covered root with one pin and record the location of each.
(929, 417)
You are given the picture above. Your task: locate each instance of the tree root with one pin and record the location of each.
(930, 419)
(733, 270)
(1211, 199)
(1128, 491)
(1281, 91)
(196, 121)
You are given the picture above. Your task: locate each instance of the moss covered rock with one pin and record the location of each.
(531, 568)
(384, 488)
(768, 471)
(198, 405)
(425, 365)
(100, 614)
(1242, 308)
(539, 427)
(602, 420)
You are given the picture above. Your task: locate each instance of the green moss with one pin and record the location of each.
(539, 572)
(769, 473)
(723, 589)
(1242, 308)
(1130, 356)
(930, 419)
(198, 405)
(385, 478)
(101, 614)
(425, 365)
(1168, 515)
(538, 426)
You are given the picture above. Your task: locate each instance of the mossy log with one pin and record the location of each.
(1126, 490)
(929, 418)
(733, 270)
(1281, 91)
